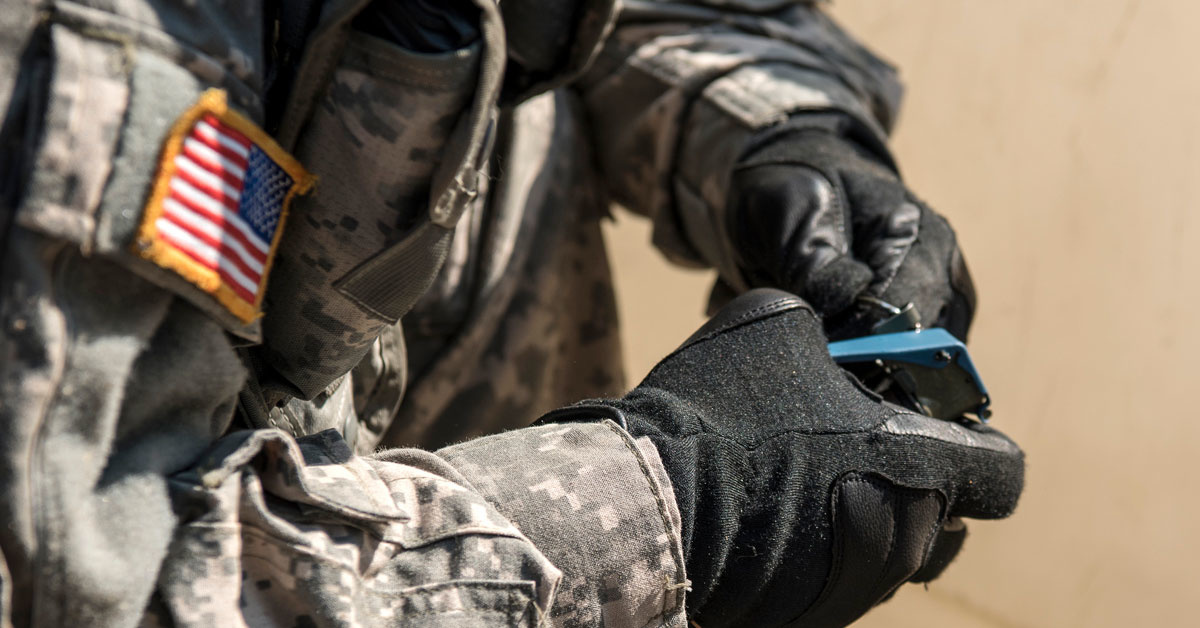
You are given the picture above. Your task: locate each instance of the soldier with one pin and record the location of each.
(246, 244)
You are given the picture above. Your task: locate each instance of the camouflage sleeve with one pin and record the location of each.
(278, 531)
(599, 505)
(123, 503)
(108, 385)
(681, 87)
(102, 101)
(99, 85)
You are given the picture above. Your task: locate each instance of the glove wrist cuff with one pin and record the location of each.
(585, 412)
(774, 144)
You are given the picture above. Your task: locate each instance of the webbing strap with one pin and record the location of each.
(390, 283)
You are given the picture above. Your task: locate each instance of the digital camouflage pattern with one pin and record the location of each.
(109, 385)
(116, 378)
(679, 91)
(525, 321)
(375, 138)
(276, 531)
(114, 509)
(572, 477)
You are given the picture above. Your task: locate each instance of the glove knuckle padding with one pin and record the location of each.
(815, 212)
(800, 492)
(792, 228)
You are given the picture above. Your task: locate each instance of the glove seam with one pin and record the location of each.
(927, 538)
(760, 313)
(923, 210)
(906, 435)
(785, 433)
(768, 310)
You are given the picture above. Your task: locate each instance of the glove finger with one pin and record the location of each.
(791, 231)
(945, 548)
(833, 287)
(991, 480)
(933, 276)
(981, 469)
(882, 535)
(885, 221)
(911, 249)
(956, 316)
(883, 218)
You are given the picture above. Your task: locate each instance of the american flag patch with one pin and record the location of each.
(218, 204)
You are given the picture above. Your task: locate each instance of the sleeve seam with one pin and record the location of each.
(676, 550)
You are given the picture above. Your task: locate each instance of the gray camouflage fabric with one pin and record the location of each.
(164, 463)
(572, 473)
(387, 539)
(669, 103)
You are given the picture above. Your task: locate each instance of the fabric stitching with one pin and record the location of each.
(506, 586)
(149, 246)
(907, 248)
(35, 459)
(676, 550)
(94, 23)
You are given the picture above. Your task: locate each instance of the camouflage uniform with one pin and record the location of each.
(165, 461)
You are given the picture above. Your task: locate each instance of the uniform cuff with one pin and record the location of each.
(600, 506)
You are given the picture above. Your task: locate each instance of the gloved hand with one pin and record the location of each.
(803, 497)
(813, 211)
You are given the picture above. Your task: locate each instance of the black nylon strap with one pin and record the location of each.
(390, 283)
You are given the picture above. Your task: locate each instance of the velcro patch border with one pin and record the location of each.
(221, 278)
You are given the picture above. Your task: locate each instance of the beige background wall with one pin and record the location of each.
(1062, 139)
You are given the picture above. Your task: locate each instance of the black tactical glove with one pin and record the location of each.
(803, 498)
(820, 211)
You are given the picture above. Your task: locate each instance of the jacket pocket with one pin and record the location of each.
(375, 139)
(86, 94)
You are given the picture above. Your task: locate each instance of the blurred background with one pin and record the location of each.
(1062, 139)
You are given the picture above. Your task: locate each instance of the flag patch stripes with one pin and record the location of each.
(218, 204)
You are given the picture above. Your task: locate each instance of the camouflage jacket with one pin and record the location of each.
(185, 442)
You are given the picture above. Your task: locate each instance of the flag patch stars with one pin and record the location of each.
(218, 204)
